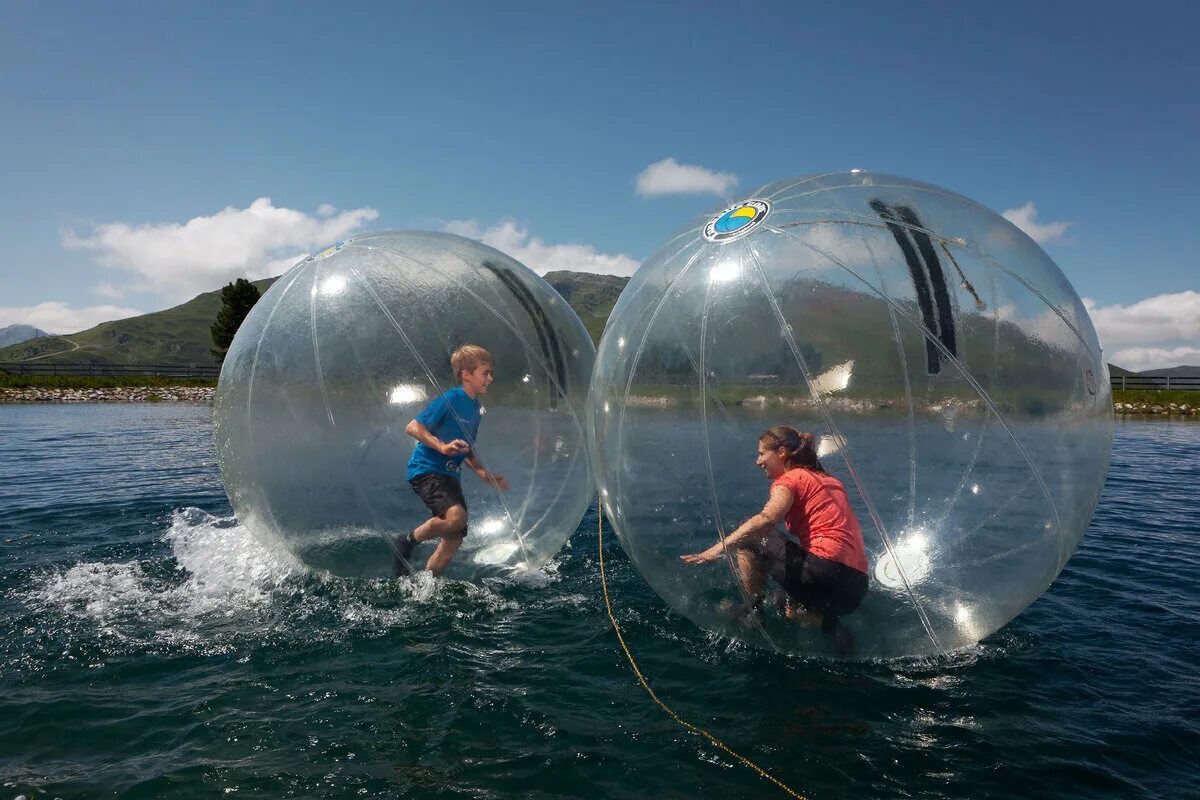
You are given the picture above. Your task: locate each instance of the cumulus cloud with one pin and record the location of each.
(1163, 318)
(1143, 358)
(109, 290)
(1025, 218)
(514, 239)
(670, 177)
(55, 317)
(180, 260)
(1160, 331)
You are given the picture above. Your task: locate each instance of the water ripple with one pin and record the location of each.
(151, 646)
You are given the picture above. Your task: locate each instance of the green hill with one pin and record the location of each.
(180, 336)
(177, 336)
(1182, 371)
(592, 296)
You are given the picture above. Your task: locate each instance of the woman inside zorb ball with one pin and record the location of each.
(820, 563)
(945, 422)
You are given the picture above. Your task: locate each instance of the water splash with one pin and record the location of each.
(223, 588)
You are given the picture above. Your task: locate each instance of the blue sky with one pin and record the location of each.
(138, 138)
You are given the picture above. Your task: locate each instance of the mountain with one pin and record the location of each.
(592, 296)
(1172, 372)
(177, 336)
(1183, 371)
(15, 334)
(180, 336)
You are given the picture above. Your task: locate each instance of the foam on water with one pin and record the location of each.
(225, 571)
(223, 587)
(225, 561)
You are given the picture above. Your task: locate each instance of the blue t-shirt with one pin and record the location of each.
(452, 416)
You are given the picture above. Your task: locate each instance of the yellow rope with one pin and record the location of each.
(645, 685)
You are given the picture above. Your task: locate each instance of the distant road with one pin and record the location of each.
(56, 352)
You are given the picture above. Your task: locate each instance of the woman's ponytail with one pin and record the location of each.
(801, 447)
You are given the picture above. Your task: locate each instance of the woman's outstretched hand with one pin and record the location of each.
(707, 557)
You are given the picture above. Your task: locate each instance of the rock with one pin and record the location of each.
(198, 394)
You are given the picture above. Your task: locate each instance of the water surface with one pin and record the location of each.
(151, 648)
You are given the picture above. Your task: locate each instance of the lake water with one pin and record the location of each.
(151, 648)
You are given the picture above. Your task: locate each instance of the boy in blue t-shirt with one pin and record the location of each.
(445, 432)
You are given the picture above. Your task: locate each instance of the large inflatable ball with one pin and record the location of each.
(347, 348)
(948, 369)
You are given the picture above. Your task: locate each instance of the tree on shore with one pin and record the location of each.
(236, 301)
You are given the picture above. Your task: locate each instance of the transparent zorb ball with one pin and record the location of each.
(950, 369)
(350, 345)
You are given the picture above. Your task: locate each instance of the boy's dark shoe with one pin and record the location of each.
(402, 552)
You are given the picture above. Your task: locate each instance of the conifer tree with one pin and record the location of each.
(236, 301)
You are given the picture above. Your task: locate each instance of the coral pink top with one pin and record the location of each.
(821, 517)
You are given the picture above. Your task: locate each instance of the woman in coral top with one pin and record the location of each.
(822, 565)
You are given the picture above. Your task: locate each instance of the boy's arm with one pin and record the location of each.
(491, 477)
(422, 434)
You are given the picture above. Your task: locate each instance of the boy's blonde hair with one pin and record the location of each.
(469, 357)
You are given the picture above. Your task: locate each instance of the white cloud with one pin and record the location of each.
(1025, 218)
(1142, 358)
(109, 290)
(1163, 318)
(1160, 331)
(55, 317)
(670, 177)
(179, 261)
(513, 239)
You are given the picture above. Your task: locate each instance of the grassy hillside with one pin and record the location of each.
(591, 296)
(1182, 371)
(175, 336)
(180, 336)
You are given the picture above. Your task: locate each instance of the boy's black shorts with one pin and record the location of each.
(826, 587)
(439, 493)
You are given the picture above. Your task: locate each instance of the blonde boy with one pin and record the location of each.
(445, 432)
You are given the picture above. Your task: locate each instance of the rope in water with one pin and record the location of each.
(695, 729)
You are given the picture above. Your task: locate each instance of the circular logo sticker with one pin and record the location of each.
(737, 220)
(328, 251)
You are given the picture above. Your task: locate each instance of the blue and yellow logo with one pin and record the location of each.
(328, 251)
(737, 220)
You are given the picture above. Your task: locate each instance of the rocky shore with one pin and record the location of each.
(117, 394)
(204, 394)
(1159, 409)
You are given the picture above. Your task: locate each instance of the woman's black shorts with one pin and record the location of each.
(826, 587)
(439, 493)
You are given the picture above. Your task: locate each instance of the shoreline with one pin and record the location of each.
(1157, 409)
(203, 395)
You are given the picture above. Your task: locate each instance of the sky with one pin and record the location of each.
(149, 152)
